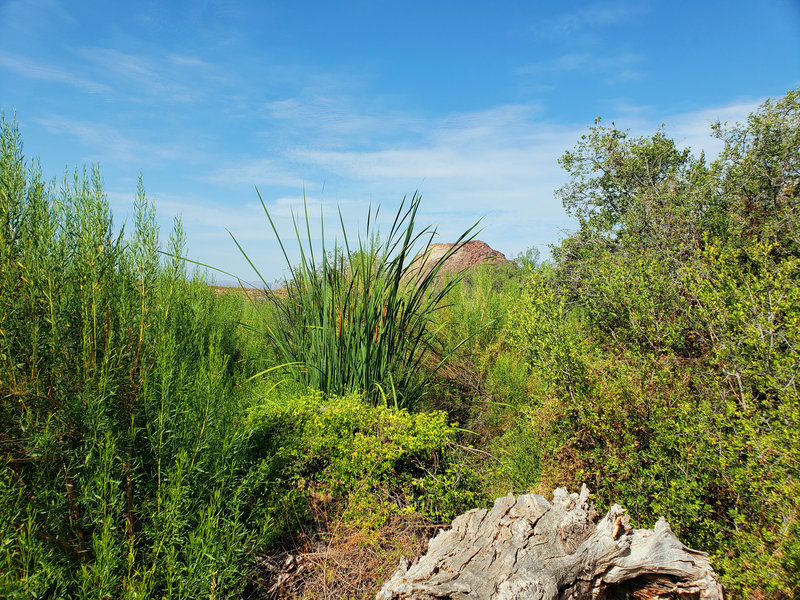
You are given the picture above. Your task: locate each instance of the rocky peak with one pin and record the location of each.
(469, 255)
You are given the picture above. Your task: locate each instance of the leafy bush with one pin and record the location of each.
(664, 350)
(362, 462)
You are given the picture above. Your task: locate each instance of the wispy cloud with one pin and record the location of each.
(586, 17)
(693, 129)
(28, 15)
(565, 62)
(259, 172)
(144, 75)
(623, 106)
(501, 163)
(330, 113)
(108, 143)
(33, 70)
(586, 54)
(614, 68)
(333, 119)
(468, 164)
(623, 76)
(181, 60)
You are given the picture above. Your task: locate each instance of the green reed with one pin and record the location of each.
(360, 317)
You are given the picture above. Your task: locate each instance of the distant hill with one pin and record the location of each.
(471, 254)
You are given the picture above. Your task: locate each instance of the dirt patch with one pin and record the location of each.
(336, 561)
(253, 294)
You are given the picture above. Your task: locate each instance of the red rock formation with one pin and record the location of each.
(471, 254)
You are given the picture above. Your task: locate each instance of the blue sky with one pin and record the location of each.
(365, 101)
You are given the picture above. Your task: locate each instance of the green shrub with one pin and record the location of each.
(663, 353)
(476, 309)
(358, 461)
(121, 447)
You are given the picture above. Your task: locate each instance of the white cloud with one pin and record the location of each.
(501, 163)
(109, 144)
(148, 76)
(623, 76)
(34, 70)
(181, 60)
(242, 216)
(690, 129)
(333, 120)
(260, 172)
(623, 106)
(614, 68)
(586, 17)
(693, 129)
(32, 14)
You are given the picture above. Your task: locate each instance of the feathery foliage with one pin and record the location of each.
(121, 470)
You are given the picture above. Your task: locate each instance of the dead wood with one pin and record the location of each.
(527, 548)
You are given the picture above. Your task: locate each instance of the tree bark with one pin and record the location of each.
(527, 548)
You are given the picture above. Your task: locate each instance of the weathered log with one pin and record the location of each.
(526, 547)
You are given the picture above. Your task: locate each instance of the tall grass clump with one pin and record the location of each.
(122, 467)
(359, 318)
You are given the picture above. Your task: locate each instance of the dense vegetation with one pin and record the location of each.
(654, 358)
(662, 345)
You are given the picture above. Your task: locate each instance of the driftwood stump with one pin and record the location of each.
(526, 547)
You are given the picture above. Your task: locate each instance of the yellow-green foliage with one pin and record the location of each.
(366, 462)
(750, 303)
(543, 329)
